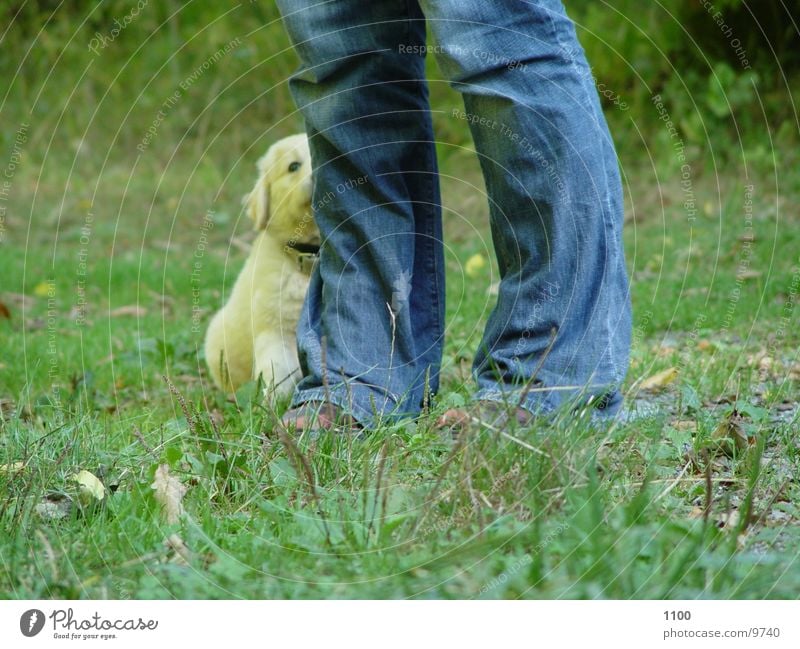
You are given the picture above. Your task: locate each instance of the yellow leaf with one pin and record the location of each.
(14, 467)
(129, 309)
(730, 434)
(660, 380)
(44, 289)
(169, 492)
(475, 265)
(89, 485)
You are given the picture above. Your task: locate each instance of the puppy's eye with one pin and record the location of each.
(294, 167)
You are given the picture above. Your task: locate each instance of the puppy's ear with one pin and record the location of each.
(257, 204)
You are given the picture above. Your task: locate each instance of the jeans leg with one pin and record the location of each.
(555, 202)
(370, 336)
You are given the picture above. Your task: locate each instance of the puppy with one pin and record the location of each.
(254, 333)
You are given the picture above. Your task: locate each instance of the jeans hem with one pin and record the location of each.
(545, 402)
(356, 400)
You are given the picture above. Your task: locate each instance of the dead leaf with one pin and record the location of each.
(54, 507)
(45, 289)
(730, 434)
(685, 424)
(748, 274)
(696, 290)
(4, 312)
(20, 300)
(128, 310)
(90, 487)
(697, 512)
(13, 467)
(182, 553)
(727, 520)
(660, 380)
(169, 492)
(217, 418)
(188, 378)
(766, 364)
(34, 324)
(7, 407)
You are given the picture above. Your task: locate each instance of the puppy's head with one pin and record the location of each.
(280, 202)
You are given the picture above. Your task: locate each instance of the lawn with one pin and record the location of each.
(113, 259)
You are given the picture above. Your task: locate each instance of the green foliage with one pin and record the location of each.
(84, 87)
(722, 68)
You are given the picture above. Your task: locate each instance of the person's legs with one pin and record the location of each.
(370, 335)
(555, 203)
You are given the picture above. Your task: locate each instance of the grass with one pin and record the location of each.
(99, 245)
(587, 513)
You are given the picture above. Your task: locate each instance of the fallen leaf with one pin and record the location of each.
(685, 424)
(766, 364)
(19, 299)
(34, 324)
(748, 274)
(730, 434)
(182, 553)
(128, 310)
(697, 512)
(53, 510)
(726, 520)
(7, 407)
(54, 507)
(216, 418)
(169, 492)
(13, 467)
(475, 265)
(4, 312)
(44, 289)
(660, 380)
(89, 486)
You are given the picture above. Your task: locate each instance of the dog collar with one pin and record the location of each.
(305, 255)
(303, 248)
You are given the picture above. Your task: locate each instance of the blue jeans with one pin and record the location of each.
(371, 332)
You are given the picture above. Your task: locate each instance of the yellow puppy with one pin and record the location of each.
(254, 333)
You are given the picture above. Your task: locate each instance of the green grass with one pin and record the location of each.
(587, 513)
(666, 506)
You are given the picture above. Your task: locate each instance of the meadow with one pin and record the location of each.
(126, 148)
